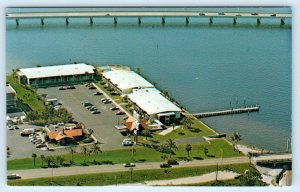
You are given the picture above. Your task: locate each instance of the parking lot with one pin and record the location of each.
(102, 123)
(21, 147)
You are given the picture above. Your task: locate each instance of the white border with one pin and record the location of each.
(88, 3)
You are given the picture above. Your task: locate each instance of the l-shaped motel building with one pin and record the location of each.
(144, 97)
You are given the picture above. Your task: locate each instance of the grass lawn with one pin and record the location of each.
(99, 179)
(143, 154)
(28, 96)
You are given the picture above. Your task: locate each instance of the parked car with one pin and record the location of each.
(10, 127)
(87, 104)
(93, 108)
(71, 87)
(16, 127)
(125, 118)
(120, 113)
(61, 88)
(254, 13)
(95, 112)
(92, 87)
(273, 15)
(98, 93)
(202, 14)
(102, 99)
(13, 176)
(165, 165)
(41, 145)
(127, 142)
(107, 101)
(90, 106)
(114, 108)
(173, 162)
(221, 13)
(129, 165)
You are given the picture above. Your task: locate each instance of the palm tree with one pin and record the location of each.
(187, 122)
(171, 145)
(188, 148)
(133, 151)
(85, 151)
(146, 133)
(72, 150)
(33, 156)
(173, 125)
(96, 149)
(235, 138)
(205, 150)
(43, 158)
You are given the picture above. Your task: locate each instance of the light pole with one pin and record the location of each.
(221, 155)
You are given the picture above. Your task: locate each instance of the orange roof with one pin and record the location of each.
(58, 135)
(131, 126)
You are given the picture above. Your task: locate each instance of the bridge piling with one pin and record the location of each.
(42, 21)
(258, 21)
(115, 20)
(282, 21)
(234, 20)
(67, 21)
(187, 20)
(139, 20)
(163, 21)
(211, 20)
(91, 20)
(17, 22)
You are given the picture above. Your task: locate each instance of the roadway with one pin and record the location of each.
(145, 14)
(77, 170)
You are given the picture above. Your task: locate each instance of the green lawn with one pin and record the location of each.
(143, 154)
(27, 96)
(99, 179)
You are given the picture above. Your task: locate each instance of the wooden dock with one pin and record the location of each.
(228, 111)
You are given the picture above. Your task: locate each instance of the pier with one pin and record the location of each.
(140, 14)
(272, 159)
(227, 112)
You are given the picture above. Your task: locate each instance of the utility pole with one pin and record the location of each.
(217, 172)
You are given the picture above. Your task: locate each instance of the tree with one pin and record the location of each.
(146, 133)
(43, 158)
(60, 160)
(72, 150)
(188, 148)
(173, 125)
(251, 178)
(187, 122)
(205, 151)
(171, 145)
(34, 157)
(49, 160)
(235, 138)
(85, 151)
(96, 149)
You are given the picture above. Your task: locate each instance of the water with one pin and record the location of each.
(204, 67)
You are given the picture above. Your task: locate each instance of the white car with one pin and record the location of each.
(127, 142)
(13, 176)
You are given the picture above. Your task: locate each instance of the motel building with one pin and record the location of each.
(11, 97)
(124, 81)
(56, 75)
(152, 105)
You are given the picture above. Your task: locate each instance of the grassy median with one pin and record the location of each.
(142, 154)
(100, 179)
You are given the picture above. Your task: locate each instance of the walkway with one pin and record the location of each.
(169, 130)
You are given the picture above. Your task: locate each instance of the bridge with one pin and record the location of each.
(140, 14)
(272, 159)
(229, 111)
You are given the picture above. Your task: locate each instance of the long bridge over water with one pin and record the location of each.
(142, 14)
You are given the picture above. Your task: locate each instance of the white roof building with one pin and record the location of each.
(10, 90)
(126, 80)
(58, 70)
(152, 102)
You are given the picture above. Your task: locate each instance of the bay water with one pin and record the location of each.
(205, 67)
